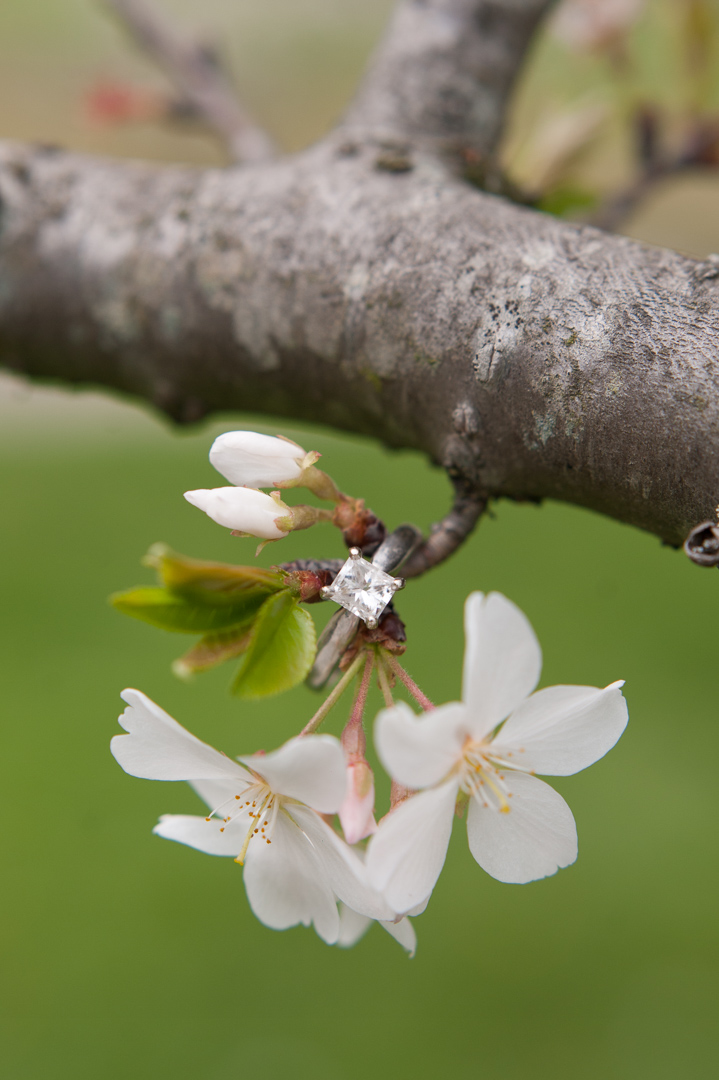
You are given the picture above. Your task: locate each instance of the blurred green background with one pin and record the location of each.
(123, 955)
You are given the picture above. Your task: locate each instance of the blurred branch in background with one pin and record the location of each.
(663, 138)
(196, 70)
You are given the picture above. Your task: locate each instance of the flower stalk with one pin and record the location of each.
(332, 699)
(384, 680)
(409, 682)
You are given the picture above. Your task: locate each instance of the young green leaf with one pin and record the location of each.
(213, 649)
(213, 583)
(165, 609)
(281, 651)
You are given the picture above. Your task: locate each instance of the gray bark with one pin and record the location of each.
(529, 357)
(443, 74)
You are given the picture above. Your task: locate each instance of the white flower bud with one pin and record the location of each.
(243, 509)
(249, 459)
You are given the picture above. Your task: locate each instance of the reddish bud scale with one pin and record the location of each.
(306, 584)
(360, 527)
(389, 634)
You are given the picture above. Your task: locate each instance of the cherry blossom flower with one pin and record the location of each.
(484, 752)
(244, 510)
(354, 926)
(265, 813)
(249, 459)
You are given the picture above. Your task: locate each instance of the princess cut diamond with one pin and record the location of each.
(362, 588)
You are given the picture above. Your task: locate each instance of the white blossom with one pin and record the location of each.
(249, 459)
(354, 926)
(484, 752)
(595, 24)
(244, 510)
(265, 814)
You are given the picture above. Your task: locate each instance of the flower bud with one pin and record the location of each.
(357, 811)
(249, 459)
(243, 510)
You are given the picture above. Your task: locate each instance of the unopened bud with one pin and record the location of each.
(244, 510)
(249, 459)
(357, 811)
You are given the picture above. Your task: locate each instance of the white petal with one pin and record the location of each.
(310, 768)
(158, 748)
(502, 660)
(242, 509)
(254, 460)
(341, 866)
(215, 793)
(534, 839)
(406, 854)
(201, 834)
(353, 926)
(404, 933)
(563, 729)
(419, 751)
(419, 909)
(286, 884)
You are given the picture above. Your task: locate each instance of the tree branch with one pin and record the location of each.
(529, 357)
(443, 74)
(196, 72)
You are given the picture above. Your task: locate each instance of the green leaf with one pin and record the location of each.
(165, 609)
(213, 649)
(281, 651)
(213, 583)
(567, 199)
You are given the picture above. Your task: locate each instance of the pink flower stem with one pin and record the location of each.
(409, 682)
(353, 736)
(383, 680)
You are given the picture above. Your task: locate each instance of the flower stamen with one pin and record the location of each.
(480, 779)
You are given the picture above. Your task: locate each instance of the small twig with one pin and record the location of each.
(613, 212)
(196, 72)
(446, 535)
(699, 151)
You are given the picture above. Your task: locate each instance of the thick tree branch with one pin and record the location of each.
(529, 357)
(444, 72)
(197, 74)
(382, 295)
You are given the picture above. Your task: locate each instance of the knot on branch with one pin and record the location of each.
(702, 544)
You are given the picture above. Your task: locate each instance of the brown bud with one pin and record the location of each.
(702, 544)
(389, 634)
(306, 584)
(360, 527)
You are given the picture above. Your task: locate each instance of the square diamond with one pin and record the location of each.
(362, 588)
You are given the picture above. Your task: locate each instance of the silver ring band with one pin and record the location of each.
(342, 627)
